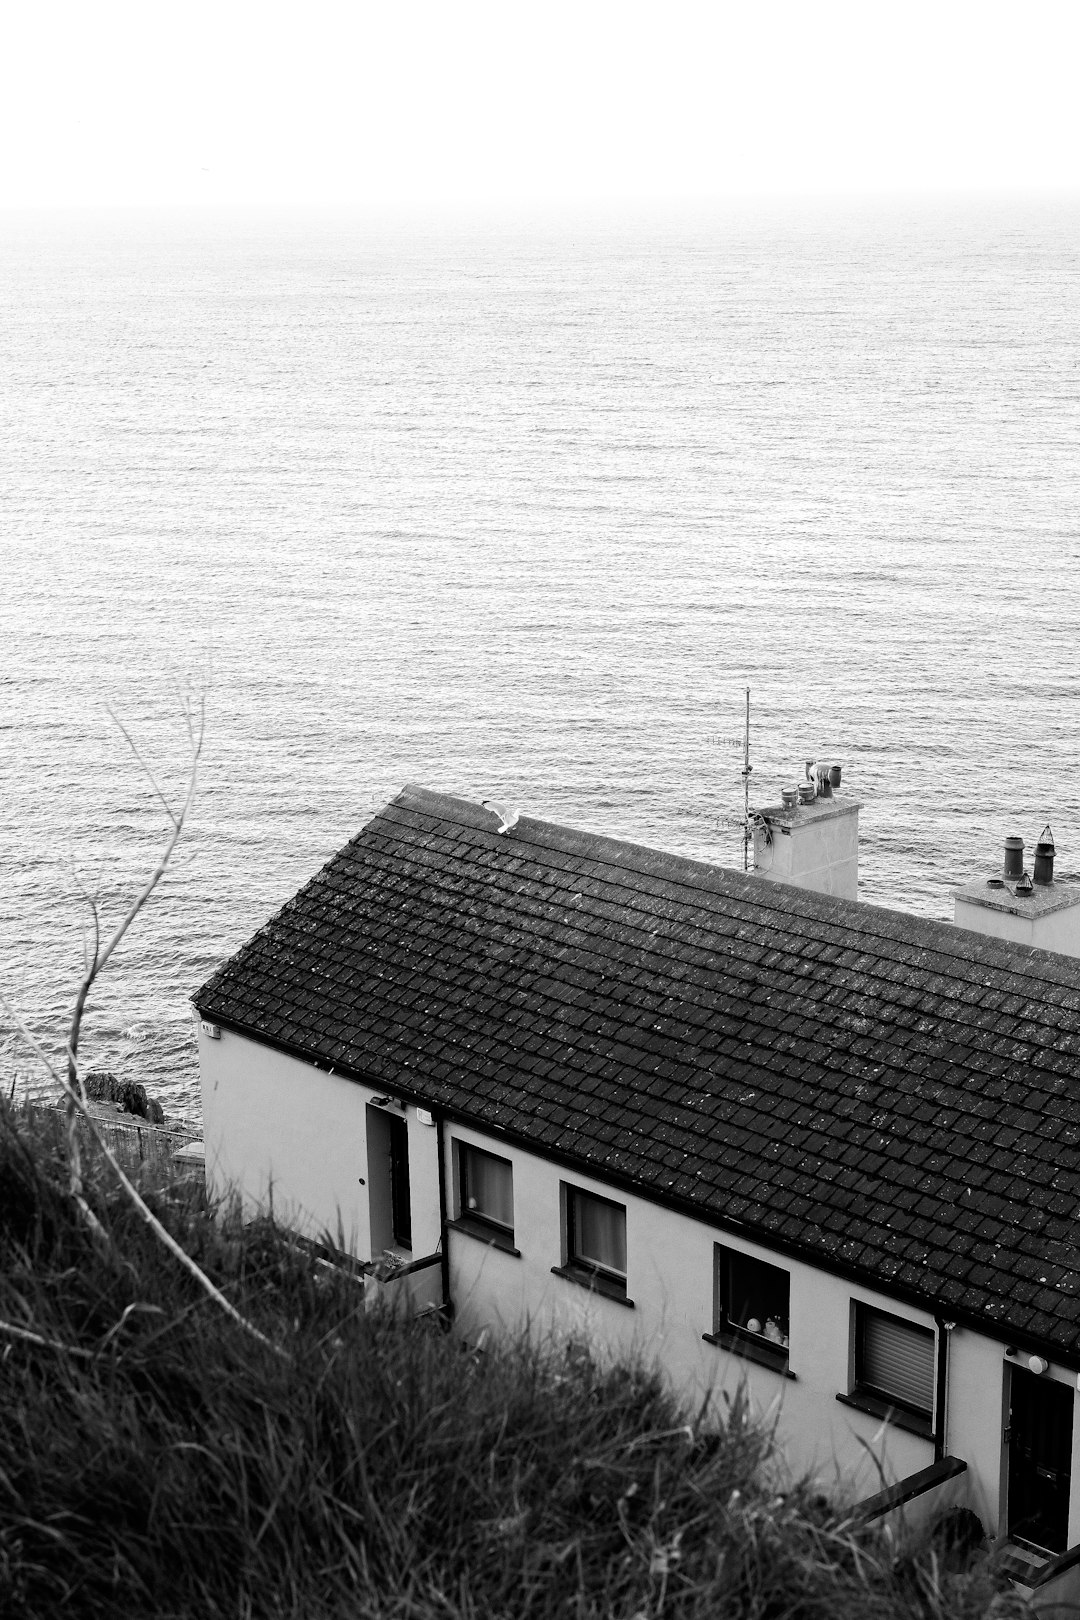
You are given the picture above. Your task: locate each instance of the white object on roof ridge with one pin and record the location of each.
(507, 814)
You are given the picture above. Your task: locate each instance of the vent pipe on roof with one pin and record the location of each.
(1014, 857)
(1044, 859)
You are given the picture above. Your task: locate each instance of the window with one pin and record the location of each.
(894, 1365)
(485, 1192)
(595, 1241)
(751, 1307)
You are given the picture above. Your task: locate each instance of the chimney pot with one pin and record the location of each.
(1014, 857)
(1044, 859)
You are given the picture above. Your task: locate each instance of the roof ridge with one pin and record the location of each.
(765, 894)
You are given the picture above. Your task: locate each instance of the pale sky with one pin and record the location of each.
(409, 101)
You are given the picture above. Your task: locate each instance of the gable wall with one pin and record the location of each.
(271, 1121)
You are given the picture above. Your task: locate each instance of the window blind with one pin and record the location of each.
(898, 1360)
(489, 1186)
(599, 1232)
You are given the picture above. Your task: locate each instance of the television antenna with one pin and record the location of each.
(745, 773)
(751, 819)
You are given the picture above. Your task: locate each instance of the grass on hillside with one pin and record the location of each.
(155, 1460)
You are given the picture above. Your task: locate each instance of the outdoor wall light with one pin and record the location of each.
(1035, 1364)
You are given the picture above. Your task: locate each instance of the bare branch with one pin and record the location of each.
(76, 1102)
(148, 773)
(102, 953)
(178, 820)
(72, 1085)
(25, 1334)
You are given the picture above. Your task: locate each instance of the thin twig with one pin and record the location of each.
(14, 1332)
(102, 953)
(151, 778)
(72, 1085)
(160, 1231)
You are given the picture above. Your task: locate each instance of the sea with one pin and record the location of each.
(518, 506)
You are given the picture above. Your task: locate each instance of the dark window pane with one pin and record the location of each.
(753, 1296)
(487, 1187)
(598, 1233)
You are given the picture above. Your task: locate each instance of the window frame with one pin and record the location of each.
(593, 1274)
(736, 1336)
(874, 1398)
(476, 1221)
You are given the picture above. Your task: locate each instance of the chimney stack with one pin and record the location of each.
(811, 839)
(1028, 909)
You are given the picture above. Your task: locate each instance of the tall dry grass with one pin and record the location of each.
(158, 1460)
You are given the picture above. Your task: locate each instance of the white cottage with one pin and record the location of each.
(750, 1130)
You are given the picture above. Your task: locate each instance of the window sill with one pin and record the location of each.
(760, 1354)
(876, 1407)
(485, 1234)
(595, 1282)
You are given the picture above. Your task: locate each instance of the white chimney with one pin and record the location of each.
(1029, 910)
(811, 840)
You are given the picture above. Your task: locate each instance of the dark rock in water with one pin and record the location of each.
(101, 1086)
(132, 1098)
(128, 1095)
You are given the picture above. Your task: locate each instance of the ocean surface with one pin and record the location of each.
(518, 507)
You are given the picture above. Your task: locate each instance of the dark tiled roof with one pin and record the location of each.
(894, 1098)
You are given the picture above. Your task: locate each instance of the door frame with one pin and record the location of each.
(1037, 1387)
(389, 1191)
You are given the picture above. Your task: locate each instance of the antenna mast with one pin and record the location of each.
(747, 768)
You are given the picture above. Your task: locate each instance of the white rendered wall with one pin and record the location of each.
(814, 847)
(670, 1280)
(273, 1122)
(1056, 931)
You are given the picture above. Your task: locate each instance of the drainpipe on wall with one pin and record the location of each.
(444, 1219)
(941, 1395)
